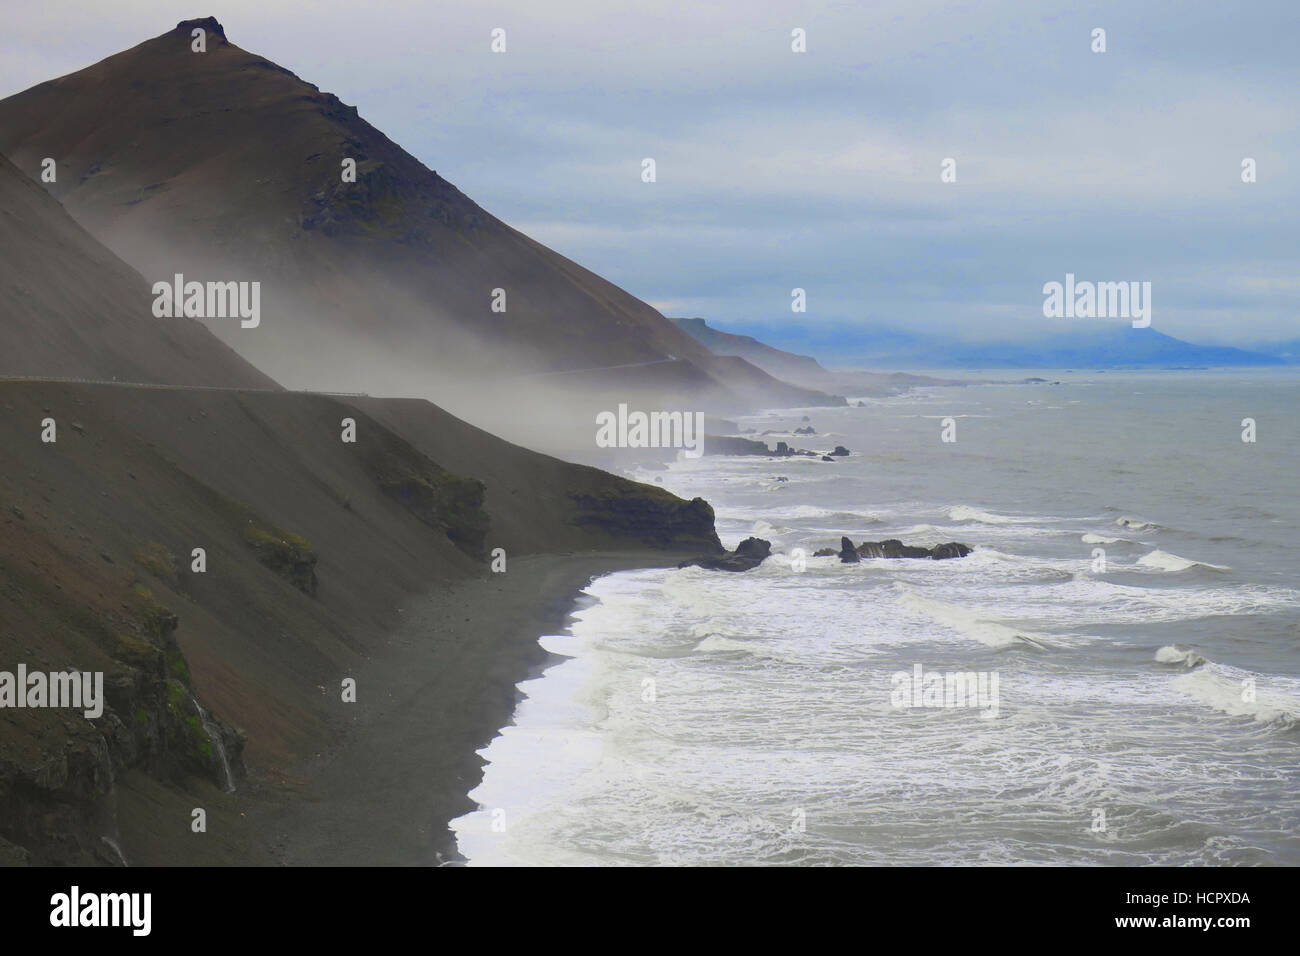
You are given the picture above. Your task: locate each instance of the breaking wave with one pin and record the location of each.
(963, 621)
(967, 513)
(1137, 524)
(1173, 654)
(1164, 561)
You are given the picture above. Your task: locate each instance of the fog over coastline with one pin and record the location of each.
(718, 434)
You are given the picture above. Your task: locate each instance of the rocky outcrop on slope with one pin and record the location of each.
(647, 515)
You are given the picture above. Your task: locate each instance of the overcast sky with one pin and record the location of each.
(821, 169)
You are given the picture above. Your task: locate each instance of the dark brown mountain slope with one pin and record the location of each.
(69, 308)
(224, 166)
(313, 546)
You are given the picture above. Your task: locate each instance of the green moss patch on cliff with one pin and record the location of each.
(157, 560)
(58, 766)
(285, 553)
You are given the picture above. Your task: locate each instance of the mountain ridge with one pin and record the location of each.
(1116, 346)
(224, 165)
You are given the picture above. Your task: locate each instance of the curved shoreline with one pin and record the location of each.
(444, 688)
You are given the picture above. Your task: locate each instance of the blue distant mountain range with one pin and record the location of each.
(1058, 346)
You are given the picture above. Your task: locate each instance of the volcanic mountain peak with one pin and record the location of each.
(376, 273)
(209, 24)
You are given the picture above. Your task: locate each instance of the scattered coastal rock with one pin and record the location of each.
(785, 451)
(952, 549)
(892, 548)
(828, 458)
(750, 553)
(806, 430)
(735, 445)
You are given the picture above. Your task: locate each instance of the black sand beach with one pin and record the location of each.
(439, 690)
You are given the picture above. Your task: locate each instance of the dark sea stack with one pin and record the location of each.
(749, 554)
(732, 445)
(840, 451)
(806, 430)
(825, 553)
(893, 548)
(848, 554)
(952, 549)
(828, 458)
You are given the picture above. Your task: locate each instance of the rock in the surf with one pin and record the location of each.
(893, 548)
(750, 553)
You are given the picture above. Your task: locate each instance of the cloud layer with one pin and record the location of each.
(822, 169)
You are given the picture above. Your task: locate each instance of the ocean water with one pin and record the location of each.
(711, 718)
